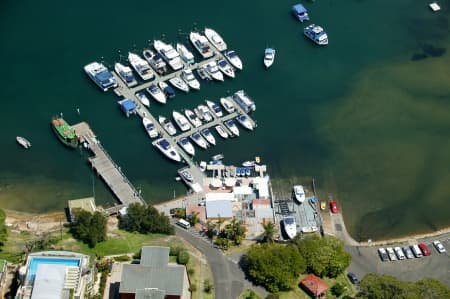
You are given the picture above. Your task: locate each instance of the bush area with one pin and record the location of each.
(3, 230)
(181, 253)
(103, 267)
(89, 228)
(145, 220)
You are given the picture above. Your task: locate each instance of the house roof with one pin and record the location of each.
(155, 256)
(219, 209)
(150, 294)
(314, 284)
(87, 204)
(49, 281)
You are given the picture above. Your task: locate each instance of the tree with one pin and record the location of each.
(183, 257)
(274, 266)
(211, 229)
(269, 231)
(337, 289)
(234, 231)
(145, 220)
(89, 228)
(194, 218)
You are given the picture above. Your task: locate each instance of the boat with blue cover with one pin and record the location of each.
(100, 75)
(126, 74)
(169, 151)
(244, 121)
(316, 34)
(168, 91)
(199, 140)
(300, 12)
(187, 145)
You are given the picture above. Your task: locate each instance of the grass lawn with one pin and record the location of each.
(12, 251)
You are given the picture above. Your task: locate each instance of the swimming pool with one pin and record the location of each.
(35, 261)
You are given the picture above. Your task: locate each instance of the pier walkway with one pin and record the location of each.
(109, 171)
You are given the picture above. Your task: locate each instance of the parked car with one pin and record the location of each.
(383, 254)
(399, 253)
(353, 278)
(333, 207)
(391, 254)
(416, 250)
(424, 249)
(439, 247)
(408, 252)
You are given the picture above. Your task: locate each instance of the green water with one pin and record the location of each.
(370, 124)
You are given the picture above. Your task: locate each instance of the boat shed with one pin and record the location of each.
(219, 209)
(300, 12)
(86, 204)
(127, 106)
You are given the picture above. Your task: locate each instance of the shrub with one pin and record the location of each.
(337, 290)
(122, 258)
(183, 257)
(207, 286)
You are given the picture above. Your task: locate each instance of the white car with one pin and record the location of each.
(399, 253)
(391, 254)
(439, 247)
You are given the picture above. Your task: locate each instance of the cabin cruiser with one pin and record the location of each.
(213, 71)
(214, 108)
(199, 140)
(205, 113)
(100, 75)
(140, 95)
(140, 66)
(169, 54)
(244, 121)
(234, 59)
(186, 175)
(299, 193)
(167, 125)
(156, 61)
(225, 68)
(316, 34)
(190, 79)
(185, 54)
(169, 151)
(269, 57)
(168, 91)
(201, 44)
(180, 84)
(215, 39)
(23, 141)
(244, 101)
(149, 127)
(196, 122)
(300, 12)
(187, 145)
(203, 74)
(221, 131)
(157, 93)
(231, 125)
(125, 73)
(209, 136)
(181, 121)
(290, 227)
(227, 104)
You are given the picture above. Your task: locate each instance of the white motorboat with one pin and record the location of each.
(316, 34)
(100, 75)
(225, 68)
(227, 104)
(269, 57)
(203, 74)
(143, 98)
(203, 165)
(299, 193)
(190, 79)
(248, 163)
(168, 91)
(217, 157)
(155, 60)
(179, 83)
(125, 73)
(214, 108)
(167, 125)
(205, 113)
(231, 125)
(244, 101)
(290, 227)
(209, 136)
(221, 131)
(234, 59)
(169, 151)
(23, 141)
(201, 44)
(140, 66)
(215, 39)
(150, 127)
(187, 145)
(186, 175)
(190, 115)
(185, 54)
(169, 54)
(157, 93)
(245, 122)
(199, 140)
(213, 71)
(181, 121)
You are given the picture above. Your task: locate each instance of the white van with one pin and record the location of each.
(184, 224)
(416, 250)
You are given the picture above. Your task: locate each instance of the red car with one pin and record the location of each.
(333, 207)
(424, 249)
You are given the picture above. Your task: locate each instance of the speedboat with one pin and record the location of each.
(186, 145)
(140, 66)
(180, 84)
(225, 68)
(209, 137)
(215, 39)
(185, 54)
(155, 60)
(125, 73)
(290, 227)
(157, 93)
(203, 74)
(169, 54)
(196, 122)
(269, 57)
(100, 75)
(168, 91)
(217, 157)
(234, 59)
(143, 98)
(299, 193)
(213, 70)
(186, 175)
(199, 140)
(169, 151)
(227, 105)
(300, 12)
(245, 122)
(167, 125)
(149, 127)
(23, 141)
(221, 131)
(190, 79)
(248, 163)
(316, 34)
(215, 108)
(231, 125)
(181, 121)
(201, 44)
(205, 113)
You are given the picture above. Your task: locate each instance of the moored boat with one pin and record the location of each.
(316, 34)
(290, 227)
(169, 54)
(64, 132)
(181, 121)
(125, 73)
(248, 163)
(269, 57)
(245, 122)
(167, 125)
(209, 136)
(203, 74)
(185, 54)
(23, 141)
(227, 104)
(155, 60)
(157, 93)
(244, 101)
(212, 69)
(231, 125)
(215, 39)
(179, 83)
(186, 175)
(149, 127)
(190, 79)
(187, 145)
(196, 122)
(225, 68)
(299, 193)
(168, 91)
(202, 44)
(169, 151)
(221, 131)
(217, 157)
(140, 95)
(300, 12)
(141, 66)
(234, 59)
(100, 75)
(214, 108)
(205, 113)
(199, 140)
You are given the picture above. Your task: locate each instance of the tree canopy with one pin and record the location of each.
(89, 228)
(145, 220)
(3, 230)
(275, 266)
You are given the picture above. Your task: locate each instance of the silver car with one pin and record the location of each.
(391, 254)
(439, 247)
(408, 252)
(399, 253)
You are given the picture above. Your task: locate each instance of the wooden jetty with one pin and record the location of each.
(109, 171)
